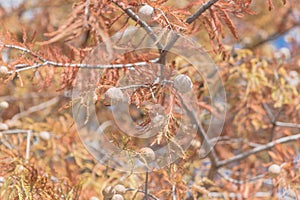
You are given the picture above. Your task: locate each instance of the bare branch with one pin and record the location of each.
(29, 133)
(286, 124)
(239, 182)
(258, 149)
(146, 185)
(142, 23)
(174, 192)
(23, 67)
(201, 133)
(142, 191)
(189, 20)
(28, 96)
(270, 115)
(18, 131)
(86, 12)
(219, 195)
(201, 10)
(278, 123)
(15, 131)
(165, 17)
(36, 108)
(133, 86)
(28, 67)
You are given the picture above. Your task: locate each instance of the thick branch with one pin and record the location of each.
(258, 149)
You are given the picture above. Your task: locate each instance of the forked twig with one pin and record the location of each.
(142, 23)
(189, 20)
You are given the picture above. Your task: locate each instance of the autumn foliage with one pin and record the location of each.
(48, 46)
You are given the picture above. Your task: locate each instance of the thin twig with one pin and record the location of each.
(272, 118)
(277, 123)
(58, 64)
(133, 86)
(225, 138)
(202, 134)
(201, 10)
(142, 191)
(86, 12)
(15, 131)
(174, 192)
(282, 30)
(36, 108)
(146, 185)
(189, 20)
(219, 195)
(270, 115)
(18, 131)
(258, 149)
(239, 182)
(28, 145)
(28, 67)
(286, 124)
(81, 65)
(149, 31)
(142, 23)
(10, 46)
(6, 144)
(27, 96)
(229, 140)
(167, 20)
(210, 109)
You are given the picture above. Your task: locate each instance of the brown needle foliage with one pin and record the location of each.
(50, 47)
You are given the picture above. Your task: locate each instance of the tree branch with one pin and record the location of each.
(142, 23)
(277, 123)
(18, 131)
(286, 124)
(146, 185)
(202, 134)
(36, 108)
(189, 20)
(258, 149)
(174, 192)
(23, 67)
(29, 133)
(86, 12)
(142, 191)
(239, 182)
(14, 131)
(201, 10)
